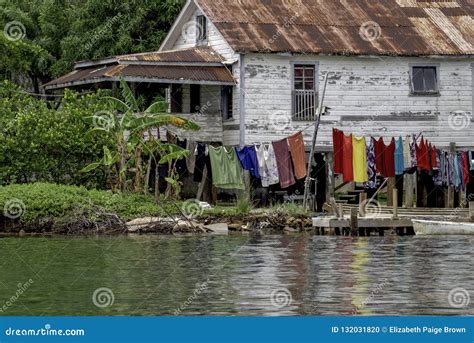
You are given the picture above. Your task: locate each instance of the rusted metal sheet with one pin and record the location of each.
(352, 27)
(144, 72)
(198, 55)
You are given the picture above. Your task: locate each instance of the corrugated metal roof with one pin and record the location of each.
(360, 27)
(194, 55)
(153, 73)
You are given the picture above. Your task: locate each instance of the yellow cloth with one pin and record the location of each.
(359, 159)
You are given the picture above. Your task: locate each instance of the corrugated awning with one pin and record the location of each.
(168, 67)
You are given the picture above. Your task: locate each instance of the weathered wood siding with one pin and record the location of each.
(187, 38)
(365, 96)
(209, 118)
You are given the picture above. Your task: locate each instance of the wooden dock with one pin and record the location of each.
(355, 220)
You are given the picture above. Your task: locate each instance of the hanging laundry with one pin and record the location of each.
(465, 165)
(379, 150)
(371, 172)
(443, 167)
(413, 158)
(202, 162)
(359, 159)
(226, 169)
(399, 157)
(284, 164)
(298, 155)
(248, 159)
(267, 165)
(437, 177)
(422, 155)
(471, 160)
(191, 159)
(337, 141)
(406, 153)
(347, 168)
(451, 170)
(433, 162)
(389, 160)
(457, 172)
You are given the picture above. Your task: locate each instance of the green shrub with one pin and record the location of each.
(38, 201)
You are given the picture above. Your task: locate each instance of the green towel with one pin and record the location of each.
(226, 168)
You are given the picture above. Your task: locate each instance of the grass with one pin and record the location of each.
(30, 202)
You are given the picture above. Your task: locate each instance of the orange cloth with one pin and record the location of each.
(298, 155)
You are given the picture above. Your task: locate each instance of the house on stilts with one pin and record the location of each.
(252, 71)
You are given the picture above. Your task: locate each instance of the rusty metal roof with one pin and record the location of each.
(353, 27)
(195, 65)
(193, 55)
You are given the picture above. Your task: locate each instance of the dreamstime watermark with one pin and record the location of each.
(192, 208)
(459, 298)
(103, 297)
(371, 207)
(22, 287)
(104, 120)
(280, 120)
(191, 30)
(102, 31)
(370, 298)
(281, 297)
(14, 208)
(286, 24)
(14, 31)
(47, 330)
(200, 288)
(370, 31)
(458, 121)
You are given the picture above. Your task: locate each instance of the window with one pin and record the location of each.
(176, 97)
(195, 98)
(201, 29)
(305, 93)
(424, 80)
(227, 102)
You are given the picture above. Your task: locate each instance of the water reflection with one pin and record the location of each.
(238, 275)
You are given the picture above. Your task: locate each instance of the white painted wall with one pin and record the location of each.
(187, 38)
(368, 96)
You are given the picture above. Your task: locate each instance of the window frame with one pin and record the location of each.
(201, 29)
(436, 66)
(195, 98)
(294, 64)
(227, 103)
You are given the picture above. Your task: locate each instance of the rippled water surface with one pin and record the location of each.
(236, 275)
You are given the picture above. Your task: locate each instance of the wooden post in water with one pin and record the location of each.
(395, 203)
(471, 211)
(354, 221)
(362, 203)
(451, 192)
(409, 190)
(391, 185)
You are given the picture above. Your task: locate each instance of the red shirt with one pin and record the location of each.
(379, 148)
(422, 155)
(388, 168)
(465, 168)
(347, 171)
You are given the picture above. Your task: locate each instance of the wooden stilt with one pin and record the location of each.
(395, 203)
(362, 203)
(391, 185)
(354, 221)
(471, 211)
(409, 190)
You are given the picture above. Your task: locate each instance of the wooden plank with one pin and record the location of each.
(362, 203)
(471, 211)
(391, 185)
(354, 221)
(202, 184)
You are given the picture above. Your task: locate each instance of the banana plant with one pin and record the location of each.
(128, 125)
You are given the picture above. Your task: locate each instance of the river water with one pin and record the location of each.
(237, 275)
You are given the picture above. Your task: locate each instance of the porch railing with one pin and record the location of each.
(304, 104)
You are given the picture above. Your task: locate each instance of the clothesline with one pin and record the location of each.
(359, 160)
(280, 162)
